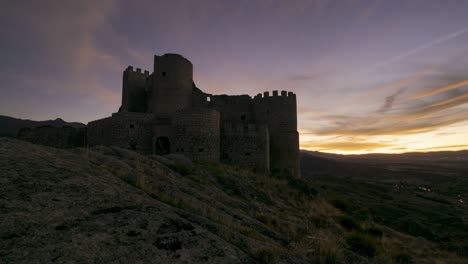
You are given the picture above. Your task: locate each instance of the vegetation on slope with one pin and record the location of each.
(260, 219)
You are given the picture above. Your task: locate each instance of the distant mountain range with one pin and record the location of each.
(403, 157)
(9, 126)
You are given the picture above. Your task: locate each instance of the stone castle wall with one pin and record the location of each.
(58, 137)
(126, 130)
(196, 133)
(165, 112)
(246, 145)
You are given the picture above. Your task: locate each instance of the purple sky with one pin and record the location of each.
(370, 75)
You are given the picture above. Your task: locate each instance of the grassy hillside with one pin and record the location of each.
(113, 205)
(422, 199)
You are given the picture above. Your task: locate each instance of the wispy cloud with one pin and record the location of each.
(412, 116)
(304, 77)
(440, 89)
(423, 47)
(389, 100)
(343, 145)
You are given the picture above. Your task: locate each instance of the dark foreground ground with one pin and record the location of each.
(112, 205)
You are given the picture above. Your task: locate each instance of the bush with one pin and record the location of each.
(181, 169)
(403, 258)
(374, 231)
(229, 185)
(341, 205)
(301, 186)
(328, 258)
(362, 244)
(265, 257)
(348, 222)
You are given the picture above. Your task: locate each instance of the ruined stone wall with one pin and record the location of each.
(177, 117)
(172, 83)
(237, 108)
(196, 133)
(200, 99)
(58, 137)
(279, 112)
(134, 87)
(245, 145)
(126, 130)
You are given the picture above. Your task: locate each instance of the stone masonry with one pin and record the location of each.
(165, 112)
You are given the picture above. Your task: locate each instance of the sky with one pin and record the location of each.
(385, 76)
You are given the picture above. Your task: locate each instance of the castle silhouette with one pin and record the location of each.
(165, 112)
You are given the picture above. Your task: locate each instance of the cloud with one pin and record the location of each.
(440, 89)
(304, 77)
(389, 100)
(412, 115)
(425, 46)
(447, 147)
(400, 124)
(342, 145)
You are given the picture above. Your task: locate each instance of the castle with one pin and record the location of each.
(165, 112)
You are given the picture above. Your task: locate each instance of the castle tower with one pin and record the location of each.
(279, 112)
(134, 90)
(172, 84)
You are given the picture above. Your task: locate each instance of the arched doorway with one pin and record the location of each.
(162, 146)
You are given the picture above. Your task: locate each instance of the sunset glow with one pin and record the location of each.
(370, 76)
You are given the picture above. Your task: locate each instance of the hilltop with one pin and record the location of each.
(9, 126)
(108, 204)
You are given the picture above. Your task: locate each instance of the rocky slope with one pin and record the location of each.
(113, 205)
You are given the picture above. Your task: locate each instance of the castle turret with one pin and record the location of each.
(172, 84)
(278, 111)
(134, 85)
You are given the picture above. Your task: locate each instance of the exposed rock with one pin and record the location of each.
(56, 206)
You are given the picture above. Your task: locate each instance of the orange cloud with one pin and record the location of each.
(441, 89)
(343, 145)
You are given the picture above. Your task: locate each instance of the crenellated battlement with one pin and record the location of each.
(275, 94)
(165, 112)
(139, 71)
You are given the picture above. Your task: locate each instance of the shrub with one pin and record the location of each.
(328, 258)
(362, 214)
(228, 185)
(403, 258)
(301, 186)
(265, 257)
(362, 244)
(348, 222)
(180, 168)
(374, 231)
(341, 205)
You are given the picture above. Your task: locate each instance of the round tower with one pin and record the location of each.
(172, 84)
(196, 133)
